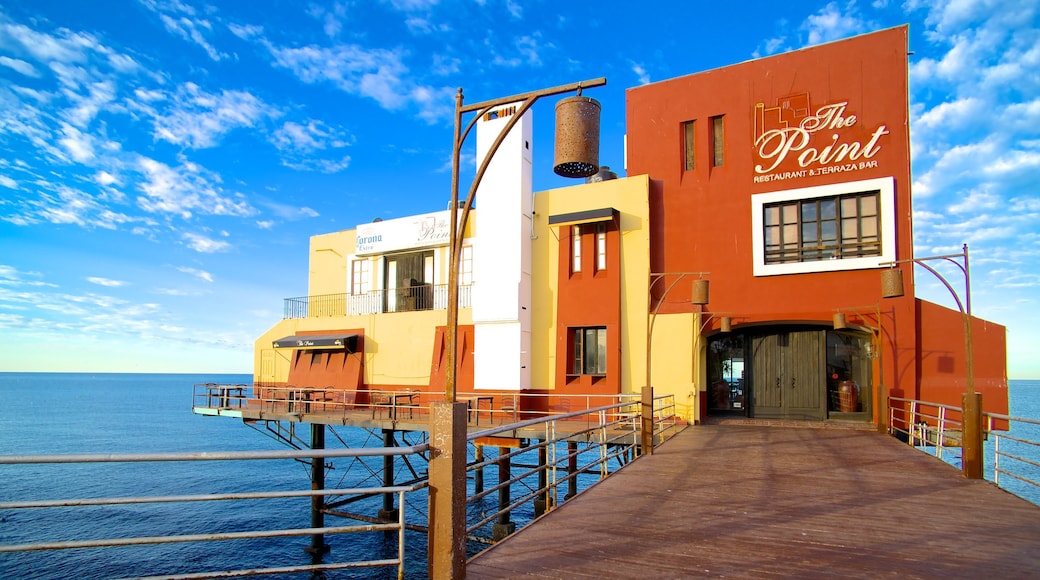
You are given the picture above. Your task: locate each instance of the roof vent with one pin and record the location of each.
(604, 174)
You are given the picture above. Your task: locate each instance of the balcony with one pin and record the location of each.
(405, 299)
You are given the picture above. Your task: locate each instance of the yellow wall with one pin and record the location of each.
(630, 197)
(398, 345)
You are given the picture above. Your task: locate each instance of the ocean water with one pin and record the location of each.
(56, 413)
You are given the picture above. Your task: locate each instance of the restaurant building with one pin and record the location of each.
(738, 267)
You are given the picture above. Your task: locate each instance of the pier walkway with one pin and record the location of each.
(753, 501)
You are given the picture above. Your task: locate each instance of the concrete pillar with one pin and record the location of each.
(447, 520)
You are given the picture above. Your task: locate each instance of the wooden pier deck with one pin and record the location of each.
(752, 502)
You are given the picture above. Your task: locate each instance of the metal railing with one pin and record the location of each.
(1011, 451)
(556, 460)
(404, 299)
(61, 505)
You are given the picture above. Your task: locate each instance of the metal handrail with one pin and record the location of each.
(926, 425)
(399, 526)
(403, 299)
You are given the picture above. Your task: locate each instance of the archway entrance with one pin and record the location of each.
(791, 372)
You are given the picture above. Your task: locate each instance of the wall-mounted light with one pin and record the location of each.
(700, 291)
(727, 324)
(839, 321)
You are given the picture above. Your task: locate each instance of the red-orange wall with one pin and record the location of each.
(701, 218)
(589, 298)
(941, 358)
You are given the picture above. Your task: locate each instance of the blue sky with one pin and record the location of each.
(165, 162)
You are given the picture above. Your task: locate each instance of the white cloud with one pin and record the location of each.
(204, 244)
(79, 145)
(198, 119)
(108, 282)
(185, 190)
(181, 20)
(7, 182)
(831, 24)
(200, 274)
(19, 66)
(641, 74)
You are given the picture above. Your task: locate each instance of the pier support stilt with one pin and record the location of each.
(572, 470)
(503, 527)
(318, 546)
(388, 513)
(478, 474)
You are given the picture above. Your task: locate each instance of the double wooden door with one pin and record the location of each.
(787, 375)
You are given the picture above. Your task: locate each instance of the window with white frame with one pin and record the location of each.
(466, 268)
(360, 277)
(834, 227)
(601, 247)
(575, 248)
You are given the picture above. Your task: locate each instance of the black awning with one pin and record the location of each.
(604, 214)
(325, 341)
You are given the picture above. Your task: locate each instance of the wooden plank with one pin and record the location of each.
(753, 501)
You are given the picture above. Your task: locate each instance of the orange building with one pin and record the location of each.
(787, 180)
(784, 182)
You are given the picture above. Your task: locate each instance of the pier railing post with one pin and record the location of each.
(647, 422)
(971, 446)
(447, 519)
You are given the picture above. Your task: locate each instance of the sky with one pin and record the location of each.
(165, 162)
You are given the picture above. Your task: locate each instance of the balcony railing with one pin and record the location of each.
(404, 299)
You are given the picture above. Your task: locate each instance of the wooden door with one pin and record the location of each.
(787, 375)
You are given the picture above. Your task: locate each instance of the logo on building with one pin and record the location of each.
(795, 139)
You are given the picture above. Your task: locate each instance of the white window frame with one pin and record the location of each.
(360, 268)
(575, 249)
(601, 246)
(886, 214)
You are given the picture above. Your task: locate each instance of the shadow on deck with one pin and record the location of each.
(753, 501)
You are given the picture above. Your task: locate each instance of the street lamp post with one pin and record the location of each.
(892, 286)
(447, 467)
(700, 296)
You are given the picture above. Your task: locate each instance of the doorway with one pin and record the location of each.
(408, 280)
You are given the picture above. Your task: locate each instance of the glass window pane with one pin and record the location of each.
(868, 204)
(870, 229)
(688, 145)
(828, 207)
(829, 231)
(772, 237)
(850, 229)
(790, 235)
(576, 360)
(601, 351)
(809, 211)
(790, 213)
(809, 233)
(848, 207)
(772, 216)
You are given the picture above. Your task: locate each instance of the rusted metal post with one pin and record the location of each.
(503, 527)
(318, 546)
(447, 518)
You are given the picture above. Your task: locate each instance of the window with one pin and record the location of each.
(601, 247)
(824, 228)
(717, 141)
(590, 351)
(360, 277)
(688, 145)
(827, 228)
(466, 269)
(575, 248)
